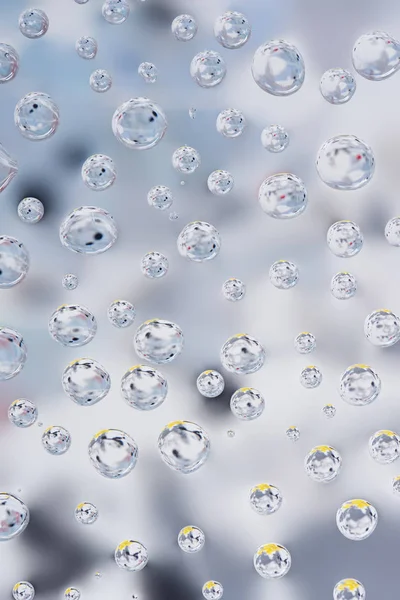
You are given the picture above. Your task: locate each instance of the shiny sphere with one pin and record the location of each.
(345, 163)
(242, 354)
(88, 230)
(384, 446)
(191, 539)
(220, 182)
(144, 387)
(382, 328)
(343, 286)
(272, 561)
(113, 453)
(139, 123)
(265, 499)
(392, 231)
(30, 210)
(72, 594)
(283, 274)
(231, 123)
(310, 377)
(154, 265)
(100, 81)
(356, 519)
(86, 513)
(337, 86)
(208, 68)
(121, 313)
(148, 72)
(275, 138)
(131, 555)
(160, 197)
(210, 384)
(278, 68)
(158, 341)
(233, 289)
(9, 63)
(14, 261)
(72, 325)
(186, 160)
(376, 55)
(184, 28)
(232, 30)
(13, 353)
(56, 440)
(115, 11)
(199, 241)
(323, 463)
(305, 342)
(283, 196)
(349, 589)
(70, 281)
(396, 485)
(86, 47)
(329, 411)
(212, 590)
(14, 516)
(36, 116)
(86, 381)
(247, 404)
(359, 385)
(98, 172)
(184, 446)
(344, 239)
(33, 23)
(22, 413)
(23, 590)
(8, 168)
(293, 433)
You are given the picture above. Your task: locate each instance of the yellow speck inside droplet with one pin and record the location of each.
(81, 505)
(150, 321)
(262, 487)
(209, 585)
(208, 372)
(245, 389)
(362, 504)
(124, 545)
(348, 584)
(187, 530)
(311, 367)
(397, 478)
(135, 367)
(360, 366)
(73, 362)
(61, 306)
(101, 432)
(173, 424)
(268, 549)
(385, 432)
(239, 335)
(304, 333)
(322, 449)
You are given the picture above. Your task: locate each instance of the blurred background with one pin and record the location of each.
(153, 503)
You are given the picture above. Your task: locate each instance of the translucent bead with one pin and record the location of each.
(329, 411)
(231, 123)
(242, 354)
(158, 341)
(310, 377)
(9, 63)
(343, 286)
(184, 446)
(184, 28)
(139, 123)
(192, 112)
(86, 381)
(72, 325)
(56, 440)
(8, 168)
(191, 539)
(13, 353)
(148, 72)
(33, 23)
(210, 384)
(115, 11)
(220, 182)
(173, 216)
(208, 68)
(14, 516)
(345, 163)
(275, 138)
(323, 463)
(154, 265)
(382, 328)
(293, 433)
(186, 160)
(337, 86)
(131, 555)
(86, 47)
(160, 197)
(349, 589)
(22, 413)
(384, 446)
(14, 261)
(121, 313)
(265, 499)
(23, 590)
(212, 590)
(230, 433)
(86, 513)
(283, 196)
(36, 116)
(72, 594)
(199, 241)
(233, 289)
(247, 404)
(100, 81)
(356, 519)
(359, 385)
(344, 239)
(70, 281)
(88, 230)
(396, 485)
(283, 274)
(143, 387)
(99, 172)
(376, 55)
(278, 68)
(272, 561)
(30, 210)
(392, 231)
(305, 342)
(232, 30)
(113, 453)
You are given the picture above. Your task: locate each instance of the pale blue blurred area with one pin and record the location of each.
(153, 502)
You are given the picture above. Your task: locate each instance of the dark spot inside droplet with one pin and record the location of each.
(35, 106)
(151, 119)
(98, 236)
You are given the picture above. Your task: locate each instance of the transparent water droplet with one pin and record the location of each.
(232, 29)
(231, 123)
(184, 28)
(392, 231)
(344, 239)
(192, 112)
(86, 382)
(30, 210)
(40, 424)
(356, 519)
(113, 453)
(88, 230)
(8, 168)
(376, 55)
(22, 413)
(148, 72)
(345, 163)
(329, 411)
(70, 281)
(220, 182)
(275, 138)
(283, 274)
(278, 68)
(242, 354)
(283, 196)
(305, 342)
(86, 47)
(36, 116)
(14, 516)
(323, 463)
(98, 575)
(158, 341)
(160, 197)
(396, 486)
(293, 433)
(9, 63)
(56, 440)
(234, 289)
(272, 561)
(265, 499)
(72, 594)
(230, 433)
(72, 325)
(212, 590)
(99, 172)
(23, 590)
(184, 446)
(13, 353)
(382, 328)
(199, 241)
(131, 555)
(14, 261)
(310, 377)
(139, 123)
(33, 23)
(208, 68)
(86, 513)
(349, 589)
(343, 286)
(121, 313)
(247, 404)
(100, 81)
(143, 387)
(186, 160)
(384, 446)
(337, 86)
(191, 539)
(210, 384)
(173, 216)
(154, 265)
(115, 11)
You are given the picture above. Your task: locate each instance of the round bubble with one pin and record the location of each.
(186, 160)
(242, 354)
(144, 387)
(323, 463)
(310, 377)
(343, 286)
(86, 513)
(99, 172)
(208, 68)
(72, 594)
(232, 29)
(33, 23)
(158, 341)
(121, 313)
(86, 47)
(22, 413)
(305, 342)
(337, 86)
(184, 28)
(356, 519)
(283, 274)
(72, 325)
(184, 446)
(88, 230)
(359, 385)
(148, 72)
(272, 561)
(231, 123)
(382, 328)
(293, 433)
(160, 197)
(199, 241)
(275, 138)
(70, 281)
(100, 81)
(329, 411)
(265, 499)
(139, 123)
(283, 196)
(85, 381)
(392, 231)
(396, 485)
(13, 353)
(9, 63)
(220, 183)
(23, 590)
(154, 265)
(14, 261)
(376, 55)
(113, 453)
(344, 239)
(345, 163)
(30, 210)
(384, 446)
(212, 590)
(14, 516)
(278, 68)
(210, 384)
(247, 404)
(349, 589)
(191, 539)
(233, 289)
(115, 11)
(8, 168)
(37, 116)
(131, 555)
(56, 440)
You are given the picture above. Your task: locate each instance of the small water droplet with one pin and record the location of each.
(40, 424)
(173, 216)
(98, 575)
(230, 433)
(183, 182)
